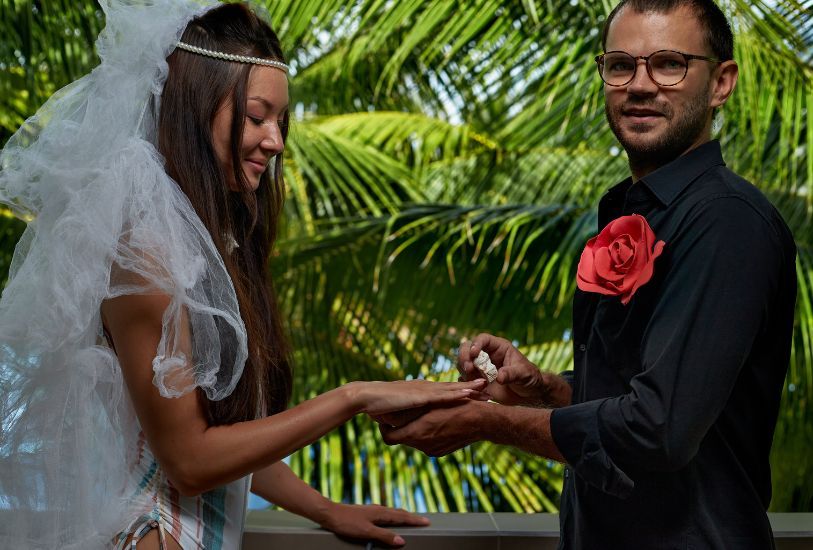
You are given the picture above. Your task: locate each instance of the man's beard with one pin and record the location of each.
(679, 135)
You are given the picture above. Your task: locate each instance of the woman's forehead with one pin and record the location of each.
(268, 85)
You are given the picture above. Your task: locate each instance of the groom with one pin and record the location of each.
(682, 321)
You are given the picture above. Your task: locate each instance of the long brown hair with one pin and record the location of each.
(196, 87)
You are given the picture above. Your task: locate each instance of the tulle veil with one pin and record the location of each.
(104, 220)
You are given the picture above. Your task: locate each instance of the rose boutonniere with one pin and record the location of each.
(620, 259)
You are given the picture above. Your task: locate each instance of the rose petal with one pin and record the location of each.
(592, 287)
(586, 277)
(605, 237)
(615, 286)
(629, 225)
(588, 280)
(623, 251)
(604, 266)
(658, 250)
(645, 272)
(642, 227)
(586, 271)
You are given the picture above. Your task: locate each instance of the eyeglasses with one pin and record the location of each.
(665, 67)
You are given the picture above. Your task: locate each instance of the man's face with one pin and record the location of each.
(656, 124)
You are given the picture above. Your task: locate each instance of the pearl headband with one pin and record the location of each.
(233, 56)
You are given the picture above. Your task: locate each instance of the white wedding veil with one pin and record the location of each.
(105, 220)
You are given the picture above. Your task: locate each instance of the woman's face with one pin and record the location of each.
(267, 103)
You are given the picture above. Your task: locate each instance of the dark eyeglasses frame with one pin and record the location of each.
(687, 56)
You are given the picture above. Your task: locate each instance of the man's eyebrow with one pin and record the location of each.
(267, 103)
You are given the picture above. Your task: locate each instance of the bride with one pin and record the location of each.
(144, 369)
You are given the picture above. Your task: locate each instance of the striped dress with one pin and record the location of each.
(211, 521)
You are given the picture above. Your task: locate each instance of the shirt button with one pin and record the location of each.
(567, 473)
(582, 347)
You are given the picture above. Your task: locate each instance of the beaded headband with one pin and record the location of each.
(233, 56)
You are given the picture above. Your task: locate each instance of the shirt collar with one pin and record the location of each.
(668, 181)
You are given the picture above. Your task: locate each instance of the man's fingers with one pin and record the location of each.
(463, 355)
(400, 418)
(396, 435)
(385, 430)
(518, 373)
(494, 346)
(511, 374)
(466, 367)
(482, 396)
(467, 371)
(390, 433)
(485, 341)
(476, 345)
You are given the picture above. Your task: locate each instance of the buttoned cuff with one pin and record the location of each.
(575, 431)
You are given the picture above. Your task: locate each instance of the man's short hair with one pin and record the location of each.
(716, 26)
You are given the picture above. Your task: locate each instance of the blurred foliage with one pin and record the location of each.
(443, 167)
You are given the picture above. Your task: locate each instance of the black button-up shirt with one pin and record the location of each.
(676, 394)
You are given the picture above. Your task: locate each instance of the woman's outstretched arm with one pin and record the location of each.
(197, 457)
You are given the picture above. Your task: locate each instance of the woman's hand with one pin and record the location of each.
(519, 382)
(380, 398)
(278, 484)
(364, 522)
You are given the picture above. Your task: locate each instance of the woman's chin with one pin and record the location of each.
(253, 183)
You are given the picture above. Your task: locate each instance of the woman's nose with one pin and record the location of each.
(272, 139)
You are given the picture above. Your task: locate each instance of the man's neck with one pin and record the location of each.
(641, 168)
(640, 171)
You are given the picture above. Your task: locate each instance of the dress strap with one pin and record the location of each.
(140, 527)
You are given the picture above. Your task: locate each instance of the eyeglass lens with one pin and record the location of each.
(666, 68)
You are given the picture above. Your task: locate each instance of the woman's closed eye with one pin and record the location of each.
(259, 121)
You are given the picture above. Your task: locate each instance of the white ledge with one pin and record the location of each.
(504, 531)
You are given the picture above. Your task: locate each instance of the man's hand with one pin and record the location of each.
(364, 522)
(400, 418)
(443, 430)
(440, 431)
(519, 382)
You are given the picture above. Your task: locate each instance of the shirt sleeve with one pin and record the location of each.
(725, 272)
(568, 377)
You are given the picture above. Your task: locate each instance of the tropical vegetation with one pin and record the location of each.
(443, 167)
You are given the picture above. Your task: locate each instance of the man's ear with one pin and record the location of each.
(724, 80)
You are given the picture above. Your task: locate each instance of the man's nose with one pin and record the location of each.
(641, 83)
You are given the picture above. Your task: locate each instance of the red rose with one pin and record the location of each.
(620, 259)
